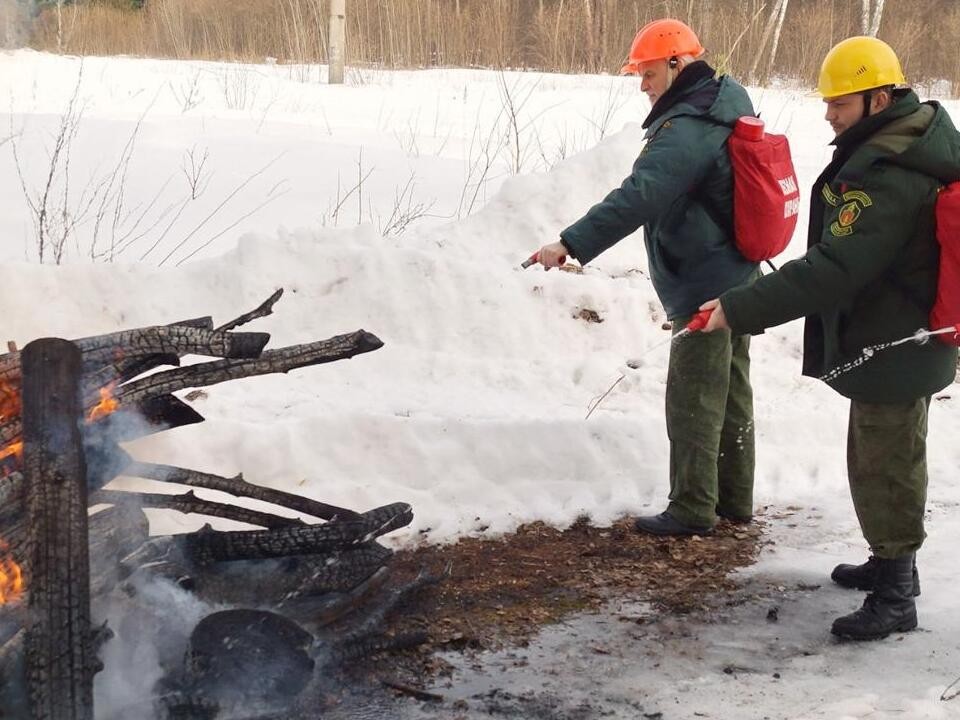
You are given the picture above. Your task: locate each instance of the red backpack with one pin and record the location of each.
(946, 308)
(766, 195)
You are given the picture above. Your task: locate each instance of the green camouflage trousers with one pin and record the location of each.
(887, 466)
(709, 405)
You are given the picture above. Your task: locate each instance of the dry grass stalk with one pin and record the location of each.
(557, 35)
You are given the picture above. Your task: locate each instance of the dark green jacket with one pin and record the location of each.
(681, 192)
(870, 272)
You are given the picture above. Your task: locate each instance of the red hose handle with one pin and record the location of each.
(532, 260)
(699, 321)
(535, 258)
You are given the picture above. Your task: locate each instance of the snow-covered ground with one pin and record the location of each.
(473, 411)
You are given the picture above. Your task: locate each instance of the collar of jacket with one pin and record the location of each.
(686, 82)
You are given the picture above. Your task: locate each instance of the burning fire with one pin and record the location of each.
(9, 401)
(11, 579)
(14, 450)
(108, 404)
(11, 454)
(11, 458)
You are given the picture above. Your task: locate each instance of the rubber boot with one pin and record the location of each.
(889, 608)
(863, 577)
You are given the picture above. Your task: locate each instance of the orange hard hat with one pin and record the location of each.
(661, 40)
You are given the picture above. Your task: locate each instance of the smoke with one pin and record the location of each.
(150, 616)
(151, 633)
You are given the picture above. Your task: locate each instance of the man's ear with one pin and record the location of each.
(882, 99)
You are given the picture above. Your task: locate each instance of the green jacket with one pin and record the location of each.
(681, 192)
(870, 272)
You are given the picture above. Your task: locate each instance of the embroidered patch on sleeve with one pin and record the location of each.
(860, 196)
(829, 196)
(856, 202)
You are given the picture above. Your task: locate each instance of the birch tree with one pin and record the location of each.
(337, 41)
(871, 12)
(776, 36)
(775, 11)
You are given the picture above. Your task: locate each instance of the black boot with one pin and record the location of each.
(889, 608)
(667, 524)
(863, 577)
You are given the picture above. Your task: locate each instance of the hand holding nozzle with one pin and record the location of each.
(713, 317)
(699, 321)
(552, 255)
(532, 260)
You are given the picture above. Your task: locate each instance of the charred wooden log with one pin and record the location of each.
(265, 308)
(13, 678)
(115, 532)
(59, 657)
(11, 495)
(239, 487)
(367, 637)
(302, 586)
(279, 653)
(130, 364)
(267, 665)
(327, 608)
(126, 369)
(283, 360)
(210, 545)
(317, 573)
(188, 503)
(176, 340)
(119, 350)
(163, 412)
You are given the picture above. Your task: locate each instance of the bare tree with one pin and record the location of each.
(776, 36)
(767, 31)
(870, 16)
(337, 40)
(877, 17)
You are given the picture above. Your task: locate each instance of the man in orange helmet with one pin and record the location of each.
(681, 193)
(870, 276)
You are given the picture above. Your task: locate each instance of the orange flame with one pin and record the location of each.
(14, 449)
(108, 404)
(11, 454)
(9, 401)
(11, 578)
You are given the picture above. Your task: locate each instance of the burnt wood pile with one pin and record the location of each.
(291, 584)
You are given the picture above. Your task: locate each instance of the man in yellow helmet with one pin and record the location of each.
(870, 276)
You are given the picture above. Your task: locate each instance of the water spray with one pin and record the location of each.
(697, 323)
(920, 337)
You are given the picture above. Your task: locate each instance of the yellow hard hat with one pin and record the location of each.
(858, 64)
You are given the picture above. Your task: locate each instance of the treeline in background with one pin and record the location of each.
(591, 36)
